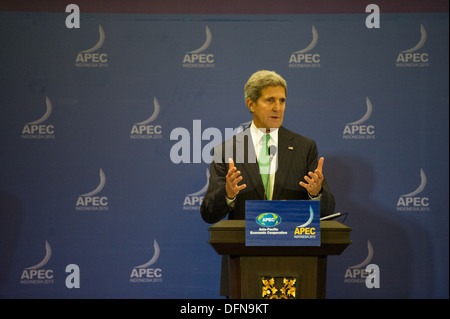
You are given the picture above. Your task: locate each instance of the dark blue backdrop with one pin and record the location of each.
(82, 184)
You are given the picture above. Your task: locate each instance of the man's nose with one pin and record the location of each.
(276, 106)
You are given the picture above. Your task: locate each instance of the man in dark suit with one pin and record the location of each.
(243, 168)
(234, 173)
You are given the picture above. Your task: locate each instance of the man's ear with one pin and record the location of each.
(250, 105)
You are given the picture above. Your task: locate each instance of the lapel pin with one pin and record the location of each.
(290, 148)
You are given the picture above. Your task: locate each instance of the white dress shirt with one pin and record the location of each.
(257, 138)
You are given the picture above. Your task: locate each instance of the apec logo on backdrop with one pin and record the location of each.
(93, 58)
(91, 201)
(413, 202)
(193, 201)
(304, 59)
(199, 58)
(38, 129)
(145, 130)
(41, 275)
(364, 272)
(358, 130)
(414, 57)
(144, 273)
(38, 274)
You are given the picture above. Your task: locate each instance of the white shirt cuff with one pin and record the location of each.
(230, 202)
(315, 197)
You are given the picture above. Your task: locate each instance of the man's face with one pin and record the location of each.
(268, 110)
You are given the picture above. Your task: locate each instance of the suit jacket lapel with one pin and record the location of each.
(285, 160)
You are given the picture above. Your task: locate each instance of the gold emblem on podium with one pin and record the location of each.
(278, 287)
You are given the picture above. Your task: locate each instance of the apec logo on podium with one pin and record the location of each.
(276, 223)
(303, 231)
(268, 220)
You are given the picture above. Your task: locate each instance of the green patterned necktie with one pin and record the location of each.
(263, 162)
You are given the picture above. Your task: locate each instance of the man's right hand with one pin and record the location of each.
(232, 179)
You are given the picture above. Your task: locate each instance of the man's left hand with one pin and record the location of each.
(314, 180)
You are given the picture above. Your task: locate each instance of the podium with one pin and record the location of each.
(277, 272)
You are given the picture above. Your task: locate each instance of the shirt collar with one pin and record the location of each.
(257, 135)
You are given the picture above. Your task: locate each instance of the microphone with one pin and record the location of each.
(272, 152)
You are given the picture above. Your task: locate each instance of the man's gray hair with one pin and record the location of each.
(260, 80)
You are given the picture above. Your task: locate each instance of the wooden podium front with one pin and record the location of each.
(291, 272)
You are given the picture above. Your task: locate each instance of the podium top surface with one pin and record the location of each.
(237, 225)
(228, 238)
(226, 224)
